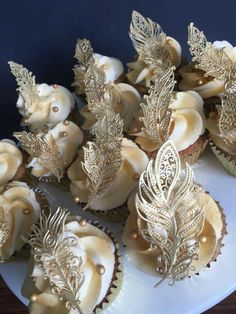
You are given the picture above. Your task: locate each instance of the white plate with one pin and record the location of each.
(138, 295)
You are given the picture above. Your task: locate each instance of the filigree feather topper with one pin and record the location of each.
(213, 61)
(149, 41)
(54, 255)
(156, 112)
(168, 203)
(27, 86)
(47, 154)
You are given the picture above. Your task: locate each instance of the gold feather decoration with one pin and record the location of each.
(84, 56)
(168, 203)
(213, 61)
(156, 112)
(227, 121)
(102, 158)
(54, 253)
(149, 41)
(47, 154)
(27, 86)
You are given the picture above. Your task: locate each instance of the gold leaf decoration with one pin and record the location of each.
(47, 154)
(84, 56)
(213, 61)
(54, 253)
(169, 205)
(227, 121)
(102, 158)
(27, 86)
(156, 112)
(149, 41)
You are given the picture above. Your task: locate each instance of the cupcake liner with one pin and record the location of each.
(118, 214)
(227, 162)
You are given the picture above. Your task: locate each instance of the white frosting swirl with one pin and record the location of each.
(19, 210)
(10, 160)
(55, 104)
(112, 67)
(94, 247)
(133, 164)
(67, 136)
(188, 123)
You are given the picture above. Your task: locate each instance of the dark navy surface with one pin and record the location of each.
(42, 34)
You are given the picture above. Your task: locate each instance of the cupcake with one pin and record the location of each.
(41, 106)
(11, 162)
(19, 210)
(177, 116)
(222, 131)
(112, 67)
(50, 154)
(75, 266)
(175, 228)
(211, 62)
(156, 52)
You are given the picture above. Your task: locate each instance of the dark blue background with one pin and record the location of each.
(42, 34)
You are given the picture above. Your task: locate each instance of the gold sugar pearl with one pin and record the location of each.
(66, 122)
(203, 239)
(76, 199)
(83, 222)
(136, 176)
(26, 121)
(55, 85)
(55, 109)
(64, 134)
(26, 211)
(134, 235)
(169, 41)
(33, 297)
(200, 82)
(105, 66)
(100, 269)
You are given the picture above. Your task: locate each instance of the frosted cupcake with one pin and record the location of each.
(222, 131)
(177, 116)
(41, 106)
(19, 210)
(75, 267)
(11, 162)
(175, 228)
(50, 154)
(210, 64)
(156, 52)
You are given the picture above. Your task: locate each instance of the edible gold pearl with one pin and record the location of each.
(105, 66)
(203, 239)
(26, 211)
(61, 298)
(83, 222)
(26, 121)
(134, 235)
(136, 176)
(55, 109)
(169, 41)
(76, 199)
(33, 297)
(100, 269)
(66, 122)
(64, 134)
(55, 85)
(200, 82)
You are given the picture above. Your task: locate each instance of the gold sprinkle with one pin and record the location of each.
(55, 85)
(55, 109)
(26, 211)
(169, 41)
(64, 134)
(105, 66)
(203, 239)
(100, 269)
(200, 82)
(25, 121)
(66, 122)
(136, 176)
(76, 199)
(83, 222)
(33, 297)
(135, 130)
(134, 235)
